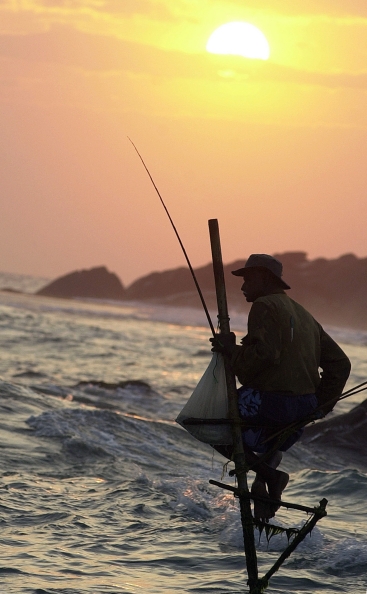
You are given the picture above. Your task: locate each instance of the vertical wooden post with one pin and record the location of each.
(238, 452)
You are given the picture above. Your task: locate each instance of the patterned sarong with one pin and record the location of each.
(270, 411)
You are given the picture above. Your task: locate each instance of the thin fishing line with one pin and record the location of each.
(180, 242)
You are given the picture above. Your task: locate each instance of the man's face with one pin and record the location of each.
(254, 285)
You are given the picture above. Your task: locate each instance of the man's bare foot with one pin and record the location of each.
(262, 511)
(277, 484)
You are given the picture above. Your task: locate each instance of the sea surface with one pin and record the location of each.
(102, 492)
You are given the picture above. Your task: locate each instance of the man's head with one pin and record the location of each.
(262, 276)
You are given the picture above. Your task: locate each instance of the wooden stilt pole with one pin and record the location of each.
(238, 452)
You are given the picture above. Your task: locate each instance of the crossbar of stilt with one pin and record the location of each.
(318, 513)
(238, 492)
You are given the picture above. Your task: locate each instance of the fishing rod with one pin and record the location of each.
(180, 242)
(352, 391)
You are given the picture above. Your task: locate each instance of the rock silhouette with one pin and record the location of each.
(342, 437)
(96, 283)
(334, 291)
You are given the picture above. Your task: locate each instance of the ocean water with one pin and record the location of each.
(102, 492)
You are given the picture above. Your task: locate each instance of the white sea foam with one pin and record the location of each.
(232, 536)
(346, 555)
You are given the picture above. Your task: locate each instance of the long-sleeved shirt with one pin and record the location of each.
(284, 349)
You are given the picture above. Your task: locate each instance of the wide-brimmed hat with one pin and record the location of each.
(263, 261)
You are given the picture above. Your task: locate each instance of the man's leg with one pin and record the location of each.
(265, 471)
(274, 462)
(267, 475)
(275, 479)
(275, 459)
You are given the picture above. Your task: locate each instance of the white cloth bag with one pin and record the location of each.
(209, 401)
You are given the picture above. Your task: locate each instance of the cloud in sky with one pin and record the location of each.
(64, 65)
(314, 39)
(62, 45)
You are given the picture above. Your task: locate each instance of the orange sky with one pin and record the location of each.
(275, 150)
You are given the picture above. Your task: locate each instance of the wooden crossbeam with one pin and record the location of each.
(248, 495)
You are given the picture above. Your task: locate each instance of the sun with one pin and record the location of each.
(239, 38)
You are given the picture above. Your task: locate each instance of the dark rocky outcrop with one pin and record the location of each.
(343, 437)
(334, 291)
(174, 287)
(347, 430)
(96, 283)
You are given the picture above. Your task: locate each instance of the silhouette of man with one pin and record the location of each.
(278, 364)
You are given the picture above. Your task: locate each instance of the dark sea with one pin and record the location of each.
(102, 492)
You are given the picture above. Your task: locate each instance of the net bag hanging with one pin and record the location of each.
(209, 401)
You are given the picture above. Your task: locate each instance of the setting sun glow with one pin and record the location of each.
(270, 141)
(241, 39)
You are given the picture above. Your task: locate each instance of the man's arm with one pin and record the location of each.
(335, 367)
(260, 348)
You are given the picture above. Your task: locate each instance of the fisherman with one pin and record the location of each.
(278, 365)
